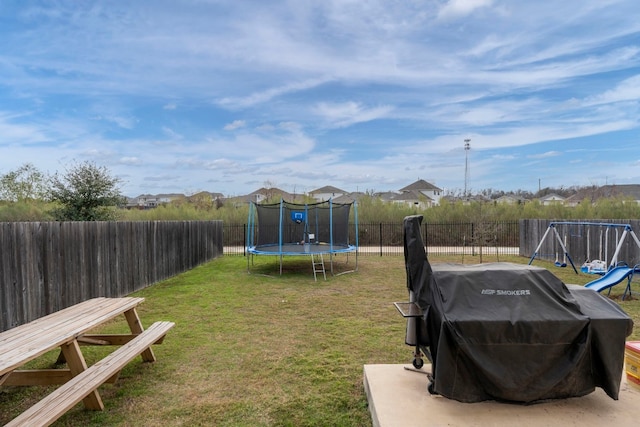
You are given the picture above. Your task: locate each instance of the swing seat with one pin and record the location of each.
(594, 267)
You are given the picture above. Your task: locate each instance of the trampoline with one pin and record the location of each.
(290, 229)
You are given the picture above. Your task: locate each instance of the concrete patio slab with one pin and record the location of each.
(399, 397)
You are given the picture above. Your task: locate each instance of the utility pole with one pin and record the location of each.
(467, 147)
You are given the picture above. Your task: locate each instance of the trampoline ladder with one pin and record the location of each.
(318, 267)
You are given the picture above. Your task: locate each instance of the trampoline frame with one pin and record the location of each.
(305, 247)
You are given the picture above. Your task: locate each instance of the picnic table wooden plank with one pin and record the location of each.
(86, 383)
(66, 330)
(136, 327)
(46, 320)
(89, 309)
(77, 365)
(27, 342)
(89, 313)
(31, 377)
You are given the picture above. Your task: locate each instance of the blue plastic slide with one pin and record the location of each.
(612, 278)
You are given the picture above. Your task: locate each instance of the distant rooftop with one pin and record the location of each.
(420, 185)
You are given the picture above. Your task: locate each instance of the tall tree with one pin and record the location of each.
(85, 192)
(24, 184)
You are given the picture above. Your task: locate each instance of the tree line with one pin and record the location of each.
(88, 192)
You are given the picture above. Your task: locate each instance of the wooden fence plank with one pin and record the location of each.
(47, 266)
(583, 242)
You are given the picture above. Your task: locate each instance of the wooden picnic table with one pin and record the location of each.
(68, 330)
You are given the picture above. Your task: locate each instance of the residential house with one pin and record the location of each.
(625, 191)
(385, 196)
(149, 201)
(509, 200)
(206, 198)
(349, 198)
(327, 192)
(631, 191)
(551, 199)
(413, 198)
(474, 198)
(430, 191)
(272, 194)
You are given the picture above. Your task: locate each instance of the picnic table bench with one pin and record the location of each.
(68, 330)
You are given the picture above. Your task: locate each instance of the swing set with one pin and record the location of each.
(590, 266)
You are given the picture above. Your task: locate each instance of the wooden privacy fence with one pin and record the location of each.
(47, 266)
(584, 242)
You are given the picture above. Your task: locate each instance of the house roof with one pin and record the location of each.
(420, 185)
(161, 196)
(207, 193)
(595, 193)
(552, 196)
(270, 192)
(348, 198)
(626, 190)
(386, 195)
(476, 198)
(327, 189)
(411, 195)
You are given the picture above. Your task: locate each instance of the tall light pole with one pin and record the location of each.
(467, 147)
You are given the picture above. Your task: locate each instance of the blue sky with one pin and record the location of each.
(232, 95)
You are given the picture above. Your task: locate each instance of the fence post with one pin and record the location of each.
(380, 239)
(244, 239)
(473, 239)
(425, 239)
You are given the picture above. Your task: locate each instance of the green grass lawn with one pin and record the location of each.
(249, 349)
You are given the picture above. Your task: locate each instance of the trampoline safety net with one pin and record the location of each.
(283, 225)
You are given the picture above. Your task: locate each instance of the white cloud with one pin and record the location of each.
(236, 124)
(171, 133)
(627, 90)
(130, 161)
(268, 94)
(461, 8)
(286, 141)
(544, 155)
(162, 178)
(19, 133)
(349, 113)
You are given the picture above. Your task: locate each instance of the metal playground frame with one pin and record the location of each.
(552, 228)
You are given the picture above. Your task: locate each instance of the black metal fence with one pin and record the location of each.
(502, 237)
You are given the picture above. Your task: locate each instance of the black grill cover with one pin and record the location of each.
(514, 332)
